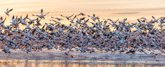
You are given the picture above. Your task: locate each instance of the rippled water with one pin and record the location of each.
(57, 58)
(68, 63)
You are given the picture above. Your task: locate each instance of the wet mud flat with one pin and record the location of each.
(76, 57)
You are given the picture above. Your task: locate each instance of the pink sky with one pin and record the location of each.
(132, 9)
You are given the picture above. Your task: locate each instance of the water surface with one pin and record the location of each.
(68, 63)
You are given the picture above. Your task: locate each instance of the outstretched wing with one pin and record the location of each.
(46, 14)
(10, 10)
(7, 9)
(41, 11)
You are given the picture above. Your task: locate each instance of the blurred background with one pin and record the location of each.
(114, 9)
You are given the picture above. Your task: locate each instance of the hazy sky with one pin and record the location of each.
(132, 9)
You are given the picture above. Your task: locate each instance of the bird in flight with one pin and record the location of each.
(42, 16)
(8, 11)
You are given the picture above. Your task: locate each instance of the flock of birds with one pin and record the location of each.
(83, 33)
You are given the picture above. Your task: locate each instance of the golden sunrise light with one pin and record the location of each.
(115, 9)
(82, 33)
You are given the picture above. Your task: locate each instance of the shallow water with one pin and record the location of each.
(114, 9)
(57, 58)
(70, 63)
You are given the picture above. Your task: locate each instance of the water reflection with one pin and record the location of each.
(64, 63)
